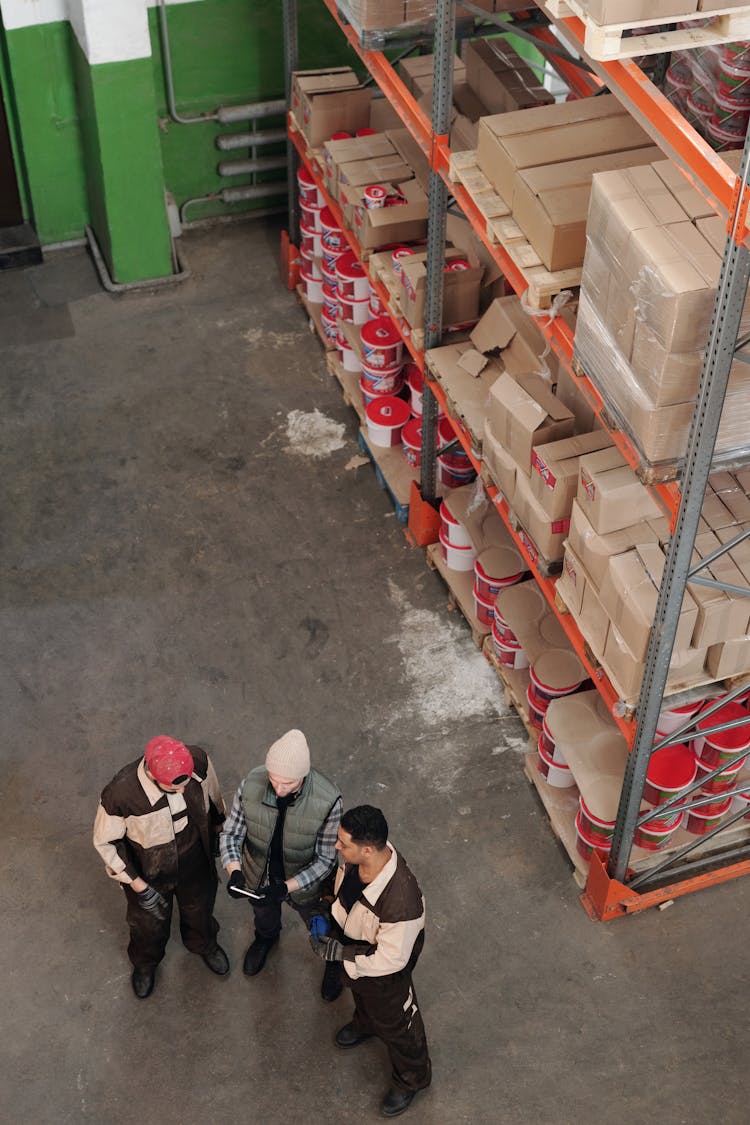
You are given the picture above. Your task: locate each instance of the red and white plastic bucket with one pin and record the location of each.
(330, 326)
(382, 382)
(595, 826)
(501, 630)
(310, 240)
(495, 569)
(332, 236)
(312, 264)
(557, 774)
(586, 844)
(725, 136)
(654, 835)
(329, 274)
(374, 196)
(330, 300)
(371, 393)
(670, 770)
(330, 259)
(673, 717)
(700, 823)
(308, 189)
(716, 749)
(454, 530)
(386, 418)
(456, 558)
(724, 782)
(741, 803)
(415, 382)
(536, 714)
(547, 741)
(353, 280)
(353, 312)
(381, 343)
(553, 674)
(510, 656)
(483, 607)
(347, 355)
(397, 256)
(411, 440)
(377, 308)
(313, 285)
(452, 478)
(458, 458)
(310, 214)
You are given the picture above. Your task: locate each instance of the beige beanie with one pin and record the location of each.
(289, 757)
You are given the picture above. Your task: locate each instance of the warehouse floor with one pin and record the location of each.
(189, 548)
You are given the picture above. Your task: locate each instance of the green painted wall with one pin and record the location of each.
(123, 161)
(43, 90)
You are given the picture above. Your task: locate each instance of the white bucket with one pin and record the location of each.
(386, 417)
(457, 558)
(313, 286)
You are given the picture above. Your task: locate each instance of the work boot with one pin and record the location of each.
(217, 961)
(143, 983)
(396, 1101)
(255, 958)
(347, 1037)
(332, 984)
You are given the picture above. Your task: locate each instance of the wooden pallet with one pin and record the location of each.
(316, 324)
(515, 682)
(561, 806)
(392, 472)
(349, 383)
(461, 592)
(611, 41)
(502, 230)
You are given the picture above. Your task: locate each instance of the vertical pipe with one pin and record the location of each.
(442, 97)
(291, 63)
(725, 323)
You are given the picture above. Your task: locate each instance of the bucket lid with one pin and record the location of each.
(412, 433)
(305, 176)
(306, 205)
(735, 739)
(557, 669)
(672, 767)
(685, 709)
(381, 372)
(446, 514)
(371, 390)
(464, 474)
(379, 333)
(365, 131)
(327, 219)
(498, 564)
(349, 267)
(389, 411)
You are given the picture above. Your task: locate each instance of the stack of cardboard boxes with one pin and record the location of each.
(389, 15)
(652, 264)
(632, 11)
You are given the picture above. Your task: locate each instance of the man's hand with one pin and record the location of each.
(274, 892)
(236, 882)
(154, 903)
(328, 949)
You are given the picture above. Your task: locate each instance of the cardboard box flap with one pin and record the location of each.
(326, 80)
(494, 331)
(473, 362)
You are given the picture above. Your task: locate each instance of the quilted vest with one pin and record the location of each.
(302, 823)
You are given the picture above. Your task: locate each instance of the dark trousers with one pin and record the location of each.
(195, 892)
(387, 1007)
(267, 916)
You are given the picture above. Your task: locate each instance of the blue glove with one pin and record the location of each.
(319, 926)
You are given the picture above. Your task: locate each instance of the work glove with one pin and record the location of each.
(274, 892)
(236, 879)
(320, 927)
(154, 903)
(328, 949)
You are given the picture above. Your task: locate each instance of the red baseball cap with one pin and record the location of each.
(169, 762)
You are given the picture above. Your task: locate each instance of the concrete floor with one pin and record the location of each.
(179, 558)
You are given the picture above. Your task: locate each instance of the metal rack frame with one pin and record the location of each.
(611, 890)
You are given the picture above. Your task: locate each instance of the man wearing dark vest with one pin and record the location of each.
(279, 841)
(378, 919)
(156, 830)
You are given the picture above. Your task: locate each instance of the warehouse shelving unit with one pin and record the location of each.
(612, 889)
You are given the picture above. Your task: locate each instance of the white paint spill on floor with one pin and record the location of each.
(313, 434)
(256, 336)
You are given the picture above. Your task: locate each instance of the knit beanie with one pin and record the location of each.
(289, 757)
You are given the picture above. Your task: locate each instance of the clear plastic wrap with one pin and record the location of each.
(711, 88)
(376, 21)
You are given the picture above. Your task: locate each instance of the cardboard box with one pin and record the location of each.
(566, 389)
(628, 11)
(512, 142)
(548, 535)
(467, 103)
(382, 114)
(580, 595)
(595, 278)
(596, 550)
(460, 292)
(610, 494)
(572, 580)
(523, 413)
(551, 202)
(730, 658)
(336, 154)
(410, 152)
(381, 170)
(691, 200)
(501, 465)
(554, 470)
(376, 15)
(500, 78)
(629, 594)
(626, 200)
(379, 226)
(620, 317)
(413, 72)
(325, 101)
(666, 377)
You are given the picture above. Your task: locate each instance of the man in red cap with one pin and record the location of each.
(156, 830)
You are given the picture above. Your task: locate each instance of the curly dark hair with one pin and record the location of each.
(366, 825)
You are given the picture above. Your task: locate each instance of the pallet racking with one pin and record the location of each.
(615, 888)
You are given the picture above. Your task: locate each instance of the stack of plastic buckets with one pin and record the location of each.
(731, 111)
(382, 362)
(311, 246)
(333, 246)
(455, 468)
(670, 771)
(716, 750)
(551, 761)
(554, 674)
(494, 569)
(457, 546)
(593, 833)
(505, 643)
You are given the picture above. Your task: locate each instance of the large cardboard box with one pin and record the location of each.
(376, 15)
(379, 226)
(554, 470)
(511, 142)
(326, 101)
(410, 152)
(628, 11)
(729, 658)
(501, 466)
(381, 170)
(551, 202)
(337, 154)
(610, 494)
(629, 594)
(596, 550)
(582, 599)
(500, 78)
(692, 202)
(625, 200)
(523, 413)
(460, 292)
(548, 535)
(417, 73)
